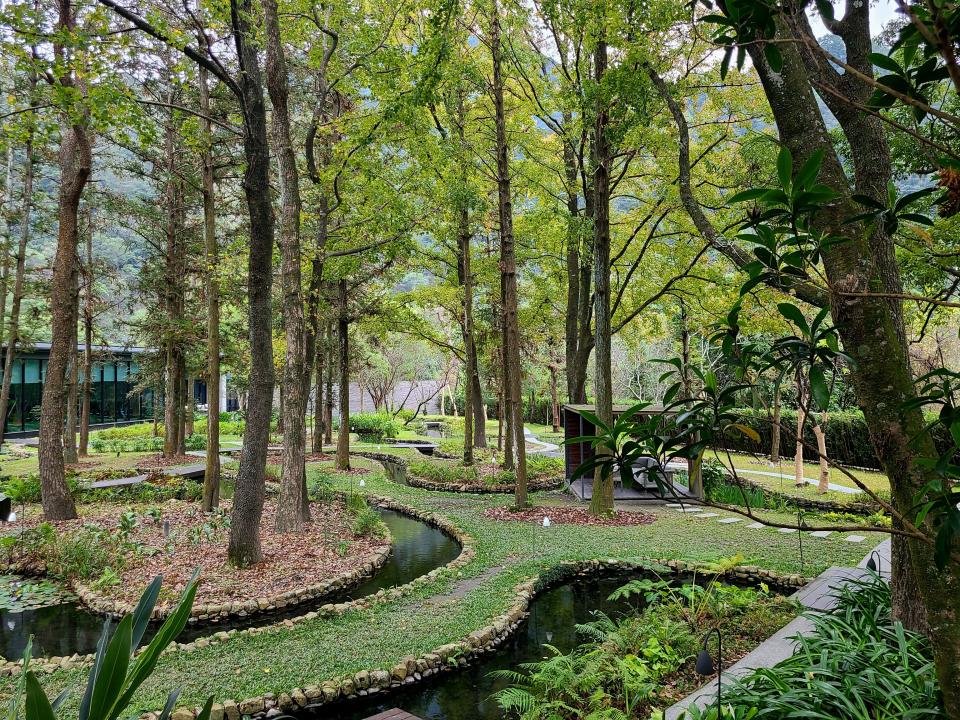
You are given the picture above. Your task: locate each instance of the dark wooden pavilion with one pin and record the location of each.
(576, 425)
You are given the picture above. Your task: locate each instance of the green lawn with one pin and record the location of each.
(874, 480)
(378, 637)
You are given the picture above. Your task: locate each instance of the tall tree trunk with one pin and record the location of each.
(466, 281)
(244, 546)
(75, 167)
(343, 341)
(465, 272)
(173, 291)
(290, 509)
(554, 399)
(319, 418)
(190, 408)
(211, 475)
(479, 404)
(14, 332)
(328, 405)
(823, 484)
(775, 428)
(602, 500)
(798, 478)
(182, 403)
(73, 377)
(577, 338)
(88, 307)
(508, 272)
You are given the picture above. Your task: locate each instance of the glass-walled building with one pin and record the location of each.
(112, 399)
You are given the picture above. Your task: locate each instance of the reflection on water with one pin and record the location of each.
(66, 629)
(465, 694)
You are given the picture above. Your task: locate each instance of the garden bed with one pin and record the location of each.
(569, 516)
(481, 478)
(340, 547)
(156, 462)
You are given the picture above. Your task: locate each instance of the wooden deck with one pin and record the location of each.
(393, 714)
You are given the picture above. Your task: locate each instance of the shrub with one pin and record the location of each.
(543, 467)
(366, 520)
(447, 473)
(373, 427)
(848, 440)
(857, 662)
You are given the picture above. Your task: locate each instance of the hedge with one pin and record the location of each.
(848, 440)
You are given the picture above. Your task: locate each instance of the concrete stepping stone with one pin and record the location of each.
(855, 538)
(674, 505)
(710, 515)
(786, 530)
(821, 533)
(727, 521)
(691, 510)
(755, 525)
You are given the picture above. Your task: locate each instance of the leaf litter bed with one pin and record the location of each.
(175, 538)
(568, 516)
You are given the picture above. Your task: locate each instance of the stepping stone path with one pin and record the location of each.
(698, 512)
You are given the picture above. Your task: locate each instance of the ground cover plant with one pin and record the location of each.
(857, 663)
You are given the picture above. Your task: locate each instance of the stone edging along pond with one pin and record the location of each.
(400, 473)
(467, 552)
(410, 669)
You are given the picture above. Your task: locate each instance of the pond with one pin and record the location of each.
(466, 694)
(65, 629)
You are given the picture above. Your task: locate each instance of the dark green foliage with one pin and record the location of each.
(848, 440)
(628, 660)
(374, 427)
(857, 664)
(366, 521)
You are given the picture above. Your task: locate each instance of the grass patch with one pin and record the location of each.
(378, 637)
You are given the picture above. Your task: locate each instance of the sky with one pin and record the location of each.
(882, 11)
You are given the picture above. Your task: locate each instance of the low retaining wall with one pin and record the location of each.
(410, 669)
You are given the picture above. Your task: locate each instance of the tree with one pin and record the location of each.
(75, 167)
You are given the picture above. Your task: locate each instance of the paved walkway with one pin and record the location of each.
(540, 447)
(819, 595)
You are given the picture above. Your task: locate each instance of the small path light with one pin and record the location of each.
(363, 483)
(874, 565)
(705, 665)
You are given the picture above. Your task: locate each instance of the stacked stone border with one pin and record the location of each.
(400, 474)
(410, 669)
(467, 553)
